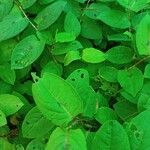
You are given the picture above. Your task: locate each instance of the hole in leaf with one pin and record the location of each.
(82, 75)
(34, 147)
(27, 123)
(73, 79)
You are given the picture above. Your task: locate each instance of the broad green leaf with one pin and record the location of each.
(3, 120)
(114, 18)
(26, 52)
(143, 36)
(111, 136)
(7, 74)
(120, 55)
(5, 145)
(27, 3)
(134, 5)
(92, 55)
(91, 29)
(143, 102)
(36, 144)
(56, 99)
(33, 122)
(71, 56)
(62, 48)
(105, 114)
(80, 80)
(147, 71)
(50, 14)
(12, 25)
(6, 48)
(131, 80)
(66, 139)
(72, 24)
(5, 7)
(125, 110)
(64, 37)
(52, 67)
(108, 73)
(142, 124)
(10, 104)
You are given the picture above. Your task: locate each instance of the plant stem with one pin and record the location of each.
(139, 62)
(23, 12)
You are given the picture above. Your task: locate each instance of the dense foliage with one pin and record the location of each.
(75, 74)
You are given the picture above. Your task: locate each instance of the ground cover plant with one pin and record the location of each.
(74, 74)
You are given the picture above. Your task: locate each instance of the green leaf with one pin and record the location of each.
(147, 71)
(33, 122)
(50, 14)
(142, 124)
(26, 52)
(3, 120)
(10, 104)
(143, 36)
(72, 24)
(80, 80)
(66, 139)
(131, 80)
(36, 144)
(5, 145)
(91, 29)
(71, 56)
(59, 101)
(125, 110)
(92, 55)
(133, 5)
(5, 7)
(114, 18)
(27, 3)
(7, 74)
(105, 114)
(12, 25)
(108, 73)
(64, 37)
(111, 136)
(62, 48)
(120, 55)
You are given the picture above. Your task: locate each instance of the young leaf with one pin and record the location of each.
(26, 52)
(131, 80)
(92, 55)
(56, 99)
(7, 74)
(12, 25)
(66, 139)
(50, 14)
(10, 104)
(119, 55)
(111, 136)
(64, 37)
(71, 56)
(33, 122)
(72, 24)
(142, 36)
